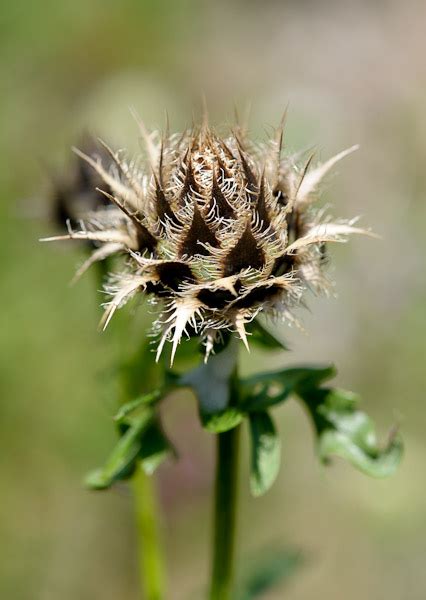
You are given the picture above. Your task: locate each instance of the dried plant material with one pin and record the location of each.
(216, 230)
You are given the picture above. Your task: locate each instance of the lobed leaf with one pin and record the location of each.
(141, 440)
(122, 458)
(342, 430)
(380, 464)
(264, 390)
(346, 432)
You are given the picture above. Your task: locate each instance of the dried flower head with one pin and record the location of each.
(215, 230)
(74, 193)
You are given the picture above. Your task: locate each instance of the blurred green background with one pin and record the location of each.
(351, 72)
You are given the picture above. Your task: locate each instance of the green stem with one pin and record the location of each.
(226, 488)
(150, 557)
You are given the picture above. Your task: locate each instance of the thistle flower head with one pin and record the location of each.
(214, 229)
(74, 193)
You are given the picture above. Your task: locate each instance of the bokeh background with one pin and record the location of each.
(351, 72)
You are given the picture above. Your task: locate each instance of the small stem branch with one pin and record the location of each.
(226, 489)
(150, 557)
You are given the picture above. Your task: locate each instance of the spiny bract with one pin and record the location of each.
(215, 229)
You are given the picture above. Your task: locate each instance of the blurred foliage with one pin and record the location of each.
(266, 569)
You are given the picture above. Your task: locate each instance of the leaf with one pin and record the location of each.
(264, 390)
(155, 447)
(380, 465)
(143, 439)
(267, 569)
(143, 400)
(221, 421)
(123, 456)
(213, 382)
(266, 452)
(261, 337)
(349, 433)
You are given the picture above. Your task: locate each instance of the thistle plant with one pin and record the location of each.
(219, 233)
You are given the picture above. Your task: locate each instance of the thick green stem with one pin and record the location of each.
(150, 557)
(225, 510)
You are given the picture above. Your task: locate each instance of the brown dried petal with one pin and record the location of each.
(261, 208)
(189, 183)
(246, 253)
(224, 209)
(198, 234)
(164, 210)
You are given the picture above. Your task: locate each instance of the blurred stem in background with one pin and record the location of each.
(225, 512)
(139, 375)
(150, 562)
(135, 377)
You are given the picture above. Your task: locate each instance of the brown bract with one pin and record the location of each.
(216, 230)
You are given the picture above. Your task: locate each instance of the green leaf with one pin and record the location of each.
(264, 390)
(221, 421)
(341, 428)
(382, 464)
(123, 456)
(143, 400)
(309, 376)
(349, 433)
(142, 440)
(266, 452)
(262, 337)
(267, 569)
(214, 385)
(155, 447)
